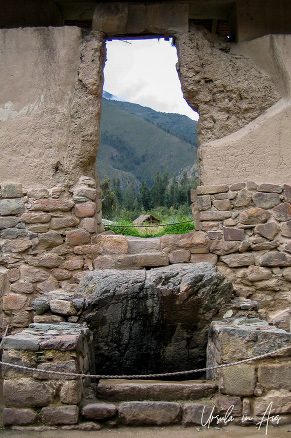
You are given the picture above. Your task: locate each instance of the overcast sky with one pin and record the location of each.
(144, 72)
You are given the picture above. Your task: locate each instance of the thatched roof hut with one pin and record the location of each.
(148, 218)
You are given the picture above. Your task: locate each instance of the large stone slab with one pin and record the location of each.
(138, 390)
(152, 321)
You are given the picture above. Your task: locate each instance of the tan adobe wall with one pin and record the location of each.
(50, 103)
(242, 93)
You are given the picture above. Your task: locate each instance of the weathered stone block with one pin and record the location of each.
(13, 233)
(282, 212)
(11, 206)
(35, 218)
(113, 244)
(223, 204)
(281, 403)
(38, 193)
(233, 233)
(62, 307)
(237, 186)
(214, 215)
(17, 245)
(287, 273)
(221, 247)
(198, 258)
(287, 192)
(86, 209)
(231, 404)
(215, 235)
(64, 222)
(197, 414)
(204, 202)
(99, 411)
(152, 259)
(257, 273)
(84, 191)
(268, 230)
(271, 188)
(50, 240)
(275, 258)
(26, 392)
(73, 263)
(13, 302)
(275, 376)
(180, 256)
(18, 417)
(61, 274)
(21, 287)
(239, 380)
(71, 392)
(254, 216)
(237, 260)
(77, 237)
(61, 342)
(243, 199)
(104, 262)
(286, 229)
(39, 228)
(149, 413)
(11, 190)
(13, 275)
(90, 250)
(189, 240)
(210, 226)
(66, 366)
(31, 274)
(263, 245)
(52, 205)
(60, 415)
(89, 224)
(8, 221)
(21, 341)
(211, 190)
(47, 260)
(266, 200)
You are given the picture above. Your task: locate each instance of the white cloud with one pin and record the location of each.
(144, 72)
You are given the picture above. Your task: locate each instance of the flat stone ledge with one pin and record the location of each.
(123, 390)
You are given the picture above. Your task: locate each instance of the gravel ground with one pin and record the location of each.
(162, 432)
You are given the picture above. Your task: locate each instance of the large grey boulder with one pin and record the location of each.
(155, 320)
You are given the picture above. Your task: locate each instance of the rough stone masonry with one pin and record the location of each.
(52, 59)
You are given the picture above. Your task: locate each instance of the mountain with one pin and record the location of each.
(136, 142)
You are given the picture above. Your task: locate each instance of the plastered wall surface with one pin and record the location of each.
(48, 114)
(242, 92)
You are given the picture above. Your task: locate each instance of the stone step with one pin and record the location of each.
(153, 259)
(139, 390)
(139, 245)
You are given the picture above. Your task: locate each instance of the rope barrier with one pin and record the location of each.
(142, 376)
(146, 226)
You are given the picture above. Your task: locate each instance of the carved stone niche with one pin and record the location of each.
(155, 320)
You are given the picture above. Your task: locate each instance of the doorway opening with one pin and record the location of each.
(148, 145)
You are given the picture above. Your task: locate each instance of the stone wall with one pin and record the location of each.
(47, 240)
(249, 229)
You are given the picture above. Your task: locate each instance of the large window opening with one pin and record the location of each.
(147, 159)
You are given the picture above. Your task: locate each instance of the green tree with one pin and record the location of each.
(109, 199)
(145, 196)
